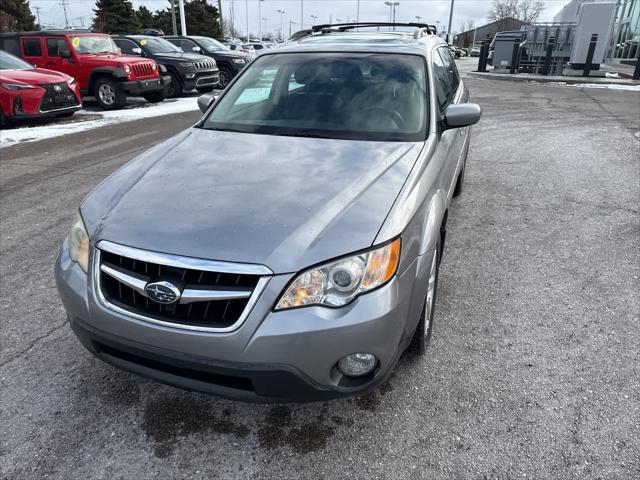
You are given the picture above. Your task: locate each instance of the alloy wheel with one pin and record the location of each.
(107, 94)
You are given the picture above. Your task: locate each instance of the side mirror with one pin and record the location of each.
(462, 115)
(196, 49)
(205, 101)
(136, 51)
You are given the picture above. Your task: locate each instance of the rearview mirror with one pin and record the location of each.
(462, 115)
(196, 49)
(136, 51)
(205, 101)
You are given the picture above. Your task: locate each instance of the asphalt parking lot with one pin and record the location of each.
(534, 365)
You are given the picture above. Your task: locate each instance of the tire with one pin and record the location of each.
(422, 335)
(108, 95)
(4, 121)
(156, 97)
(205, 89)
(226, 75)
(174, 89)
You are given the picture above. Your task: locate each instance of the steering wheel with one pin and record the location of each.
(393, 114)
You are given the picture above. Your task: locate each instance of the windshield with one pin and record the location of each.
(211, 45)
(9, 62)
(94, 44)
(333, 95)
(155, 45)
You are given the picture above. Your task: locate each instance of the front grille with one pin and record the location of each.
(204, 65)
(142, 70)
(207, 314)
(57, 96)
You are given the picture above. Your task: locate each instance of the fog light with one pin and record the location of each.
(357, 364)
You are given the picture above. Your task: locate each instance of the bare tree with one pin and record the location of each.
(527, 11)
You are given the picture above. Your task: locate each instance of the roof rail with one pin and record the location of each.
(422, 29)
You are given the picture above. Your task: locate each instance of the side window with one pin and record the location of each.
(126, 46)
(55, 46)
(452, 70)
(187, 45)
(31, 47)
(442, 80)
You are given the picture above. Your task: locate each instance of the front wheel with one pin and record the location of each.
(422, 335)
(108, 95)
(225, 77)
(174, 89)
(155, 97)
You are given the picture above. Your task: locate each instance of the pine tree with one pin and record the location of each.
(15, 16)
(115, 16)
(202, 19)
(145, 17)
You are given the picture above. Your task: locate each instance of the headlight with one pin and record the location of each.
(238, 60)
(186, 64)
(78, 241)
(154, 66)
(337, 283)
(127, 69)
(16, 86)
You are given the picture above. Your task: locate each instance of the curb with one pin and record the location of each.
(523, 77)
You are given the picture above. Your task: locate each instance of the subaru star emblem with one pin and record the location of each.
(162, 292)
(57, 88)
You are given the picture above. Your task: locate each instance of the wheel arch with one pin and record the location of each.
(117, 74)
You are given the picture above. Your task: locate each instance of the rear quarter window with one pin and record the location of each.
(31, 47)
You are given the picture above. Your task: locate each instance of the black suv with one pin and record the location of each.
(230, 63)
(187, 70)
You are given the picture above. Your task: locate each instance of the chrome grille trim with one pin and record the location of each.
(192, 296)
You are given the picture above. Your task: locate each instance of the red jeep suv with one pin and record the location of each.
(27, 92)
(94, 60)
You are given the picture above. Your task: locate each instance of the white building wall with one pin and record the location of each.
(570, 11)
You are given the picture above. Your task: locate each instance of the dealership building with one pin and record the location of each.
(624, 36)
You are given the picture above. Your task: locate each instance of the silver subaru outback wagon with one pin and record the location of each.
(286, 247)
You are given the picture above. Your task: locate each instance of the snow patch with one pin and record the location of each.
(608, 86)
(139, 111)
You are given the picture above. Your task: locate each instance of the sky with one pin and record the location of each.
(80, 12)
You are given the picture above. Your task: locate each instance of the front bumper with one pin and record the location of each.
(142, 87)
(201, 79)
(281, 356)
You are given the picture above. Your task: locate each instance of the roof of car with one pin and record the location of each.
(360, 41)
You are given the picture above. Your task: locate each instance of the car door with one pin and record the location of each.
(454, 97)
(448, 138)
(54, 48)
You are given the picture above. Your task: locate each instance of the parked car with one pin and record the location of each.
(475, 51)
(27, 92)
(286, 247)
(151, 32)
(94, 61)
(229, 63)
(188, 71)
(455, 51)
(235, 46)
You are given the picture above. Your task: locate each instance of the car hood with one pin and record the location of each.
(229, 54)
(33, 76)
(283, 202)
(191, 57)
(106, 59)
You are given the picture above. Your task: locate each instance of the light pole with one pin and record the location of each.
(301, 14)
(392, 12)
(183, 21)
(315, 17)
(260, 17)
(264, 27)
(358, 12)
(291, 22)
(246, 13)
(281, 12)
(450, 20)
(418, 18)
